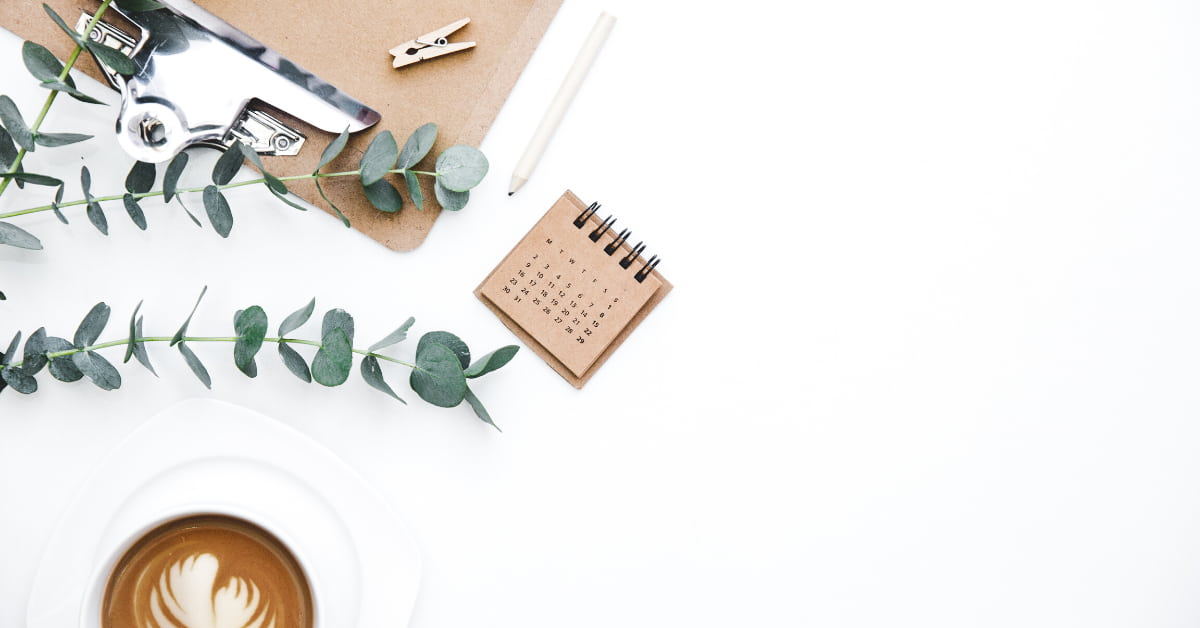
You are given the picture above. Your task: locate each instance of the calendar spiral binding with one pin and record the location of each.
(606, 226)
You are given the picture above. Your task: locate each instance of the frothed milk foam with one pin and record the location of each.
(207, 571)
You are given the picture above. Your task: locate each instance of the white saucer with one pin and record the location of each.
(209, 456)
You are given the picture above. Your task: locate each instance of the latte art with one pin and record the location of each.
(187, 596)
(208, 571)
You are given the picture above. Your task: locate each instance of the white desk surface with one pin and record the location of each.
(931, 358)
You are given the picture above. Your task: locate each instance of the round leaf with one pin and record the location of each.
(218, 211)
(450, 341)
(40, 62)
(102, 373)
(92, 325)
(461, 168)
(140, 178)
(331, 365)
(251, 328)
(417, 145)
(294, 362)
(227, 166)
(438, 377)
(383, 196)
(379, 158)
(20, 381)
(449, 199)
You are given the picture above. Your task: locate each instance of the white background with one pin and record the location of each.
(931, 358)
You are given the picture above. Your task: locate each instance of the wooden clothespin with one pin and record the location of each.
(430, 45)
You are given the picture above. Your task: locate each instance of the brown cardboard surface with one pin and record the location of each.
(547, 269)
(346, 42)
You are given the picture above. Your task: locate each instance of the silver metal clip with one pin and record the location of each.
(201, 81)
(430, 45)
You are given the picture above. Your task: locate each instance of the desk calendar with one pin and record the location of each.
(574, 288)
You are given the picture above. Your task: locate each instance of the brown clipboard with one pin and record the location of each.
(346, 42)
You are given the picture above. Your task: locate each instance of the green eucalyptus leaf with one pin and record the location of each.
(321, 190)
(139, 349)
(491, 361)
(35, 352)
(449, 199)
(195, 220)
(438, 377)
(73, 92)
(113, 58)
(40, 62)
(179, 335)
(283, 196)
(450, 341)
(480, 411)
(417, 145)
(60, 139)
(171, 178)
(373, 375)
(20, 381)
(8, 149)
(338, 319)
(297, 318)
(10, 116)
(383, 196)
(13, 235)
(63, 25)
(58, 197)
(334, 149)
(251, 328)
(294, 362)
(135, 211)
(135, 347)
(461, 167)
(102, 373)
(62, 368)
(414, 189)
(29, 177)
(218, 211)
(11, 353)
(379, 158)
(331, 365)
(396, 336)
(95, 213)
(92, 325)
(140, 179)
(227, 166)
(194, 363)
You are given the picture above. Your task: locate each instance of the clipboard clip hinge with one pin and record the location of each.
(430, 45)
(201, 81)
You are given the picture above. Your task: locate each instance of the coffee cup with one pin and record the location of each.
(203, 566)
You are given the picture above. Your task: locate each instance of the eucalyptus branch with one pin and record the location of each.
(439, 371)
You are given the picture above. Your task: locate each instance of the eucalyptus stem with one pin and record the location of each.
(50, 98)
(194, 190)
(52, 355)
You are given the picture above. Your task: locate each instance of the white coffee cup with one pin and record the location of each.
(121, 541)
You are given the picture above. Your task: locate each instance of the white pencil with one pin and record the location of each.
(566, 92)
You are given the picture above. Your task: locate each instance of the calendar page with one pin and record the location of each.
(567, 291)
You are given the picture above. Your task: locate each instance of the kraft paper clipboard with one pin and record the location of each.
(346, 42)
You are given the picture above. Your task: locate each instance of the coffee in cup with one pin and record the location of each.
(207, 570)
